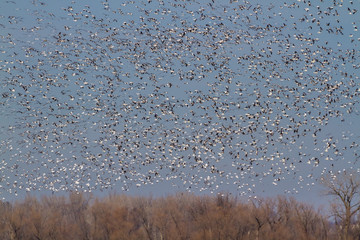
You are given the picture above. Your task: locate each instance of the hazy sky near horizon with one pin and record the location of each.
(256, 98)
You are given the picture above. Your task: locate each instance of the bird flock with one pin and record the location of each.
(204, 95)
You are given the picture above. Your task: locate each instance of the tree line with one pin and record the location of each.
(180, 216)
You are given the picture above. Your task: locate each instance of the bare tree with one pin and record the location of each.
(345, 187)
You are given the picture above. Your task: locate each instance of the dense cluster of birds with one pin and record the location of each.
(205, 95)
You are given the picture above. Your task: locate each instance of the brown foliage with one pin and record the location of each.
(178, 217)
(345, 187)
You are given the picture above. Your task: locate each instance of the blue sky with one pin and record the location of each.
(255, 98)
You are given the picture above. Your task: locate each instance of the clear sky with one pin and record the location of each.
(256, 98)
